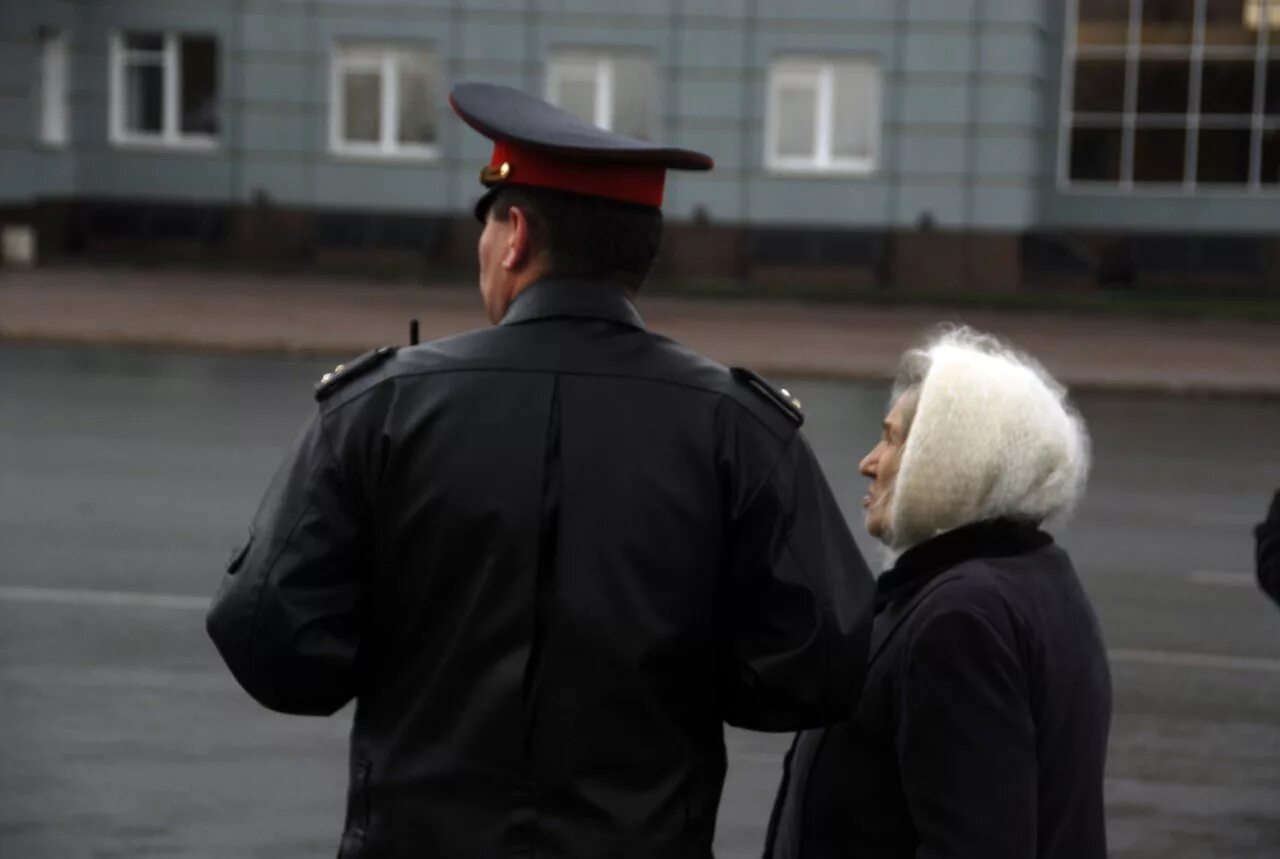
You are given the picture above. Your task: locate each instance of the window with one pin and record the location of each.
(613, 91)
(1253, 14)
(164, 89)
(51, 98)
(823, 116)
(1171, 93)
(384, 102)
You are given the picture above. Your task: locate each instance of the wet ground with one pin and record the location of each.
(127, 476)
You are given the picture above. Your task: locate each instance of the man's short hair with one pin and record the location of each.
(587, 236)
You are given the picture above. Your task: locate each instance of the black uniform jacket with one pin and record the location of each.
(982, 730)
(548, 559)
(1268, 535)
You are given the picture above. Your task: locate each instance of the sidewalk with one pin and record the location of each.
(188, 309)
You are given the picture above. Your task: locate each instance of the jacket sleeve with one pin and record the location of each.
(799, 603)
(287, 618)
(966, 742)
(1268, 536)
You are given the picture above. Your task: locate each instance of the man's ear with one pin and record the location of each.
(519, 240)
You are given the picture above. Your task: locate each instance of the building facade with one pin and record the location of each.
(916, 144)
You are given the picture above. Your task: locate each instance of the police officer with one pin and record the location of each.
(550, 558)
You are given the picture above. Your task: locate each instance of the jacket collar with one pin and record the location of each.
(991, 538)
(573, 297)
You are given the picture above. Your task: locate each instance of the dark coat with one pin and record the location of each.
(548, 559)
(1268, 535)
(982, 730)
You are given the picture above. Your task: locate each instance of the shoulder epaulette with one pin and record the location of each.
(343, 373)
(779, 397)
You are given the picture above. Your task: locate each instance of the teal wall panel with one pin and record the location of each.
(157, 174)
(1009, 53)
(933, 155)
(954, 11)
(1007, 157)
(401, 187)
(1016, 104)
(822, 12)
(969, 106)
(934, 103)
(850, 202)
(267, 80)
(938, 54)
(1007, 208)
(943, 203)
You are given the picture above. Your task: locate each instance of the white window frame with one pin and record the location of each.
(384, 59)
(171, 135)
(560, 69)
(52, 104)
(821, 75)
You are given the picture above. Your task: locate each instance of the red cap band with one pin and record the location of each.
(628, 183)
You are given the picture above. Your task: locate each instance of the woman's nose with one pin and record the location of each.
(867, 468)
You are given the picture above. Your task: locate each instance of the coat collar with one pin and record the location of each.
(991, 538)
(923, 568)
(574, 297)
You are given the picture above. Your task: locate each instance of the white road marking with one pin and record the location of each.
(128, 599)
(1217, 578)
(1216, 661)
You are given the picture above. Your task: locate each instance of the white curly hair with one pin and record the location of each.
(989, 433)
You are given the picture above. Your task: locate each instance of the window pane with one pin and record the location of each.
(797, 121)
(1227, 87)
(1272, 105)
(633, 97)
(144, 42)
(1163, 86)
(1225, 24)
(1223, 156)
(578, 96)
(361, 106)
(1099, 86)
(1167, 22)
(144, 97)
(418, 96)
(1103, 22)
(1095, 154)
(1254, 16)
(1271, 157)
(53, 88)
(1159, 154)
(854, 116)
(199, 103)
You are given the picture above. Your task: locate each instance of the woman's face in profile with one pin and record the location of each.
(881, 466)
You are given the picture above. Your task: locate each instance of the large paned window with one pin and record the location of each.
(1178, 94)
(51, 95)
(612, 90)
(164, 89)
(823, 116)
(384, 102)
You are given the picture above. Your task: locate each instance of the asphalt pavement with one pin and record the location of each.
(127, 475)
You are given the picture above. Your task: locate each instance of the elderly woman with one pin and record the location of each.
(982, 730)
